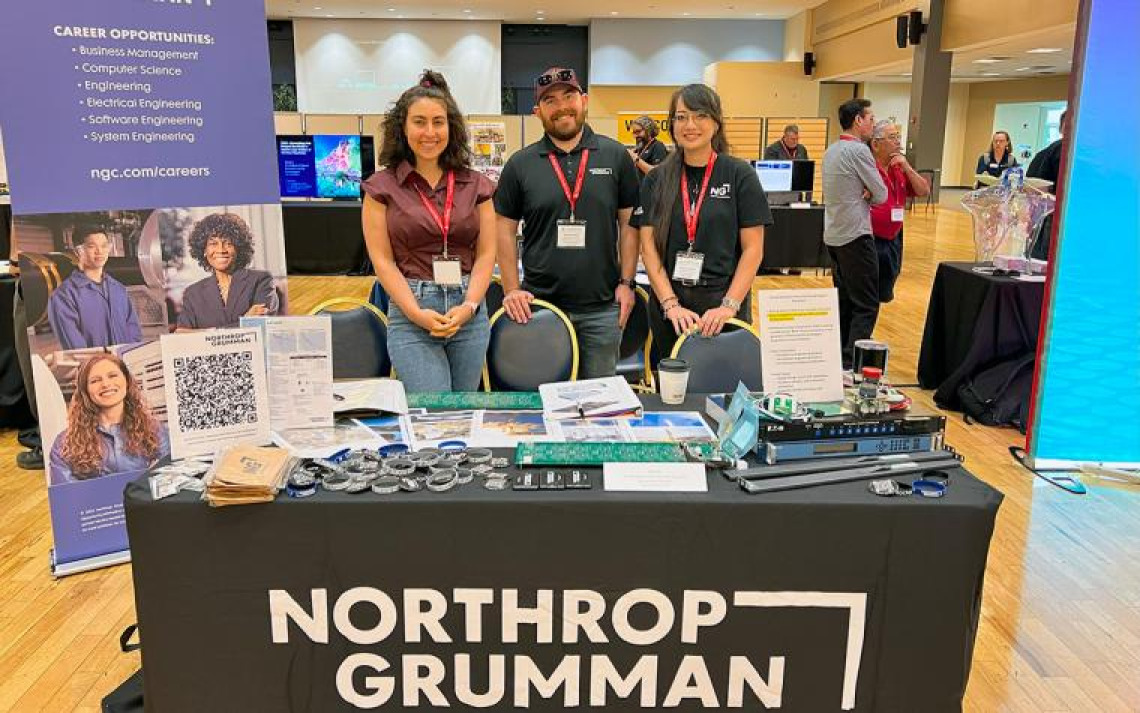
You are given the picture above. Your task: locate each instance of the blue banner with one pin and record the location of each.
(1088, 381)
(141, 160)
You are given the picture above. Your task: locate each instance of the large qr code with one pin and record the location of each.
(215, 391)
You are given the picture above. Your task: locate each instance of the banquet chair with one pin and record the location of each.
(636, 345)
(359, 338)
(494, 296)
(717, 364)
(521, 357)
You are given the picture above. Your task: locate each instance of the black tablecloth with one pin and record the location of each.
(975, 320)
(5, 230)
(323, 238)
(14, 409)
(203, 580)
(795, 238)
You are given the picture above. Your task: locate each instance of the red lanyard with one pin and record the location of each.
(645, 148)
(789, 154)
(693, 213)
(444, 221)
(572, 197)
(849, 137)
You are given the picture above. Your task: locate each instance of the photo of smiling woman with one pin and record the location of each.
(701, 220)
(110, 430)
(429, 227)
(222, 244)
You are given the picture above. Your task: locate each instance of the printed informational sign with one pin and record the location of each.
(1088, 384)
(799, 331)
(141, 160)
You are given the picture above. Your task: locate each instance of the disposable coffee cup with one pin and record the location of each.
(674, 377)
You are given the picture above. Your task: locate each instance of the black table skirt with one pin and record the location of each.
(795, 239)
(203, 576)
(323, 238)
(973, 321)
(14, 409)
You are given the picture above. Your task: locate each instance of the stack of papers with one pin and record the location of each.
(243, 475)
(369, 397)
(610, 396)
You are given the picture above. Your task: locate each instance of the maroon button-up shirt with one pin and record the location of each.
(414, 234)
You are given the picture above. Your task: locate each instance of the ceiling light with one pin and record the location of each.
(468, 10)
(991, 74)
(1045, 50)
(686, 14)
(1023, 69)
(986, 60)
(318, 8)
(613, 12)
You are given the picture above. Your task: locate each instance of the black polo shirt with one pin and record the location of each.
(735, 200)
(529, 190)
(655, 153)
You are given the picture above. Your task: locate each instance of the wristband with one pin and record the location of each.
(399, 466)
(478, 456)
(386, 485)
(730, 303)
(442, 481)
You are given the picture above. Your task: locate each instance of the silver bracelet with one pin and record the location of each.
(410, 484)
(336, 482)
(730, 303)
(426, 457)
(476, 456)
(442, 481)
(399, 466)
(463, 476)
(386, 485)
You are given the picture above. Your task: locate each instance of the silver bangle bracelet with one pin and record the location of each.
(427, 457)
(336, 482)
(464, 475)
(386, 485)
(399, 466)
(442, 481)
(477, 456)
(410, 484)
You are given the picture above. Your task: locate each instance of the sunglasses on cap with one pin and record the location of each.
(562, 75)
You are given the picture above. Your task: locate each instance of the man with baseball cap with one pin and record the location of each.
(574, 192)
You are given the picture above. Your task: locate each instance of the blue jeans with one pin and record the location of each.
(427, 363)
(599, 339)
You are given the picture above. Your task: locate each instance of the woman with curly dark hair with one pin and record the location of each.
(223, 245)
(429, 227)
(109, 427)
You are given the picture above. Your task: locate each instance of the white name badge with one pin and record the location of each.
(572, 234)
(897, 215)
(688, 266)
(447, 271)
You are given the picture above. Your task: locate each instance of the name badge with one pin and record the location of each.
(688, 266)
(447, 271)
(897, 215)
(572, 234)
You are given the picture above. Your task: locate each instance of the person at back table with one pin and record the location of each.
(702, 218)
(649, 151)
(999, 158)
(430, 231)
(852, 184)
(788, 147)
(902, 182)
(574, 192)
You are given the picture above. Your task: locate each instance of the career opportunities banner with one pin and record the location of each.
(139, 145)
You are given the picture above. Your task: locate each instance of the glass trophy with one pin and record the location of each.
(1007, 217)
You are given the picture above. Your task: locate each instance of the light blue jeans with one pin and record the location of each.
(427, 363)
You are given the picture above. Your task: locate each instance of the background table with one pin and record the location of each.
(323, 237)
(974, 320)
(202, 578)
(795, 238)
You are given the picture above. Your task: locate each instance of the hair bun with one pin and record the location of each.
(434, 80)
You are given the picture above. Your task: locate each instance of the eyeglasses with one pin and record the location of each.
(697, 117)
(562, 75)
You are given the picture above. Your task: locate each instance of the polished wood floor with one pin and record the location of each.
(1060, 627)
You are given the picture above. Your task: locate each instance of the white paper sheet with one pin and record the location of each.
(298, 355)
(324, 442)
(216, 391)
(610, 396)
(799, 331)
(386, 395)
(655, 477)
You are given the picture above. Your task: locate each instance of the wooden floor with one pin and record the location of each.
(1060, 628)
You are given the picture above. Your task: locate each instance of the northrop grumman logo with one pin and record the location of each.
(574, 618)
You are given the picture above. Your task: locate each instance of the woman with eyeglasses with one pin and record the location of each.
(701, 219)
(999, 158)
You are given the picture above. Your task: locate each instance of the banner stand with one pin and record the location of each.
(86, 565)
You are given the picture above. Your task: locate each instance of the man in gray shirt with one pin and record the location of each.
(851, 183)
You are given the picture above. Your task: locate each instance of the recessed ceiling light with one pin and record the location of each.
(1023, 69)
(391, 9)
(1045, 50)
(686, 14)
(991, 74)
(613, 12)
(986, 60)
(317, 8)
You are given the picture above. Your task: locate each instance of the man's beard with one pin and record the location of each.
(550, 126)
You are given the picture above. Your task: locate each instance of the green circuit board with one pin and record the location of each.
(595, 454)
(466, 400)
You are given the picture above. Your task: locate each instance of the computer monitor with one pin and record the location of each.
(775, 176)
(803, 175)
(324, 165)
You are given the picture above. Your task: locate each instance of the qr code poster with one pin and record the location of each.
(216, 391)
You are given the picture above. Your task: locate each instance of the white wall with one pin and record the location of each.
(890, 99)
(362, 66)
(672, 52)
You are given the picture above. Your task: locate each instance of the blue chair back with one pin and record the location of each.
(359, 339)
(717, 363)
(521, 357)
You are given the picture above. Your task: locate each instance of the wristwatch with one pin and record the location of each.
(730, 303)
(631, 283)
